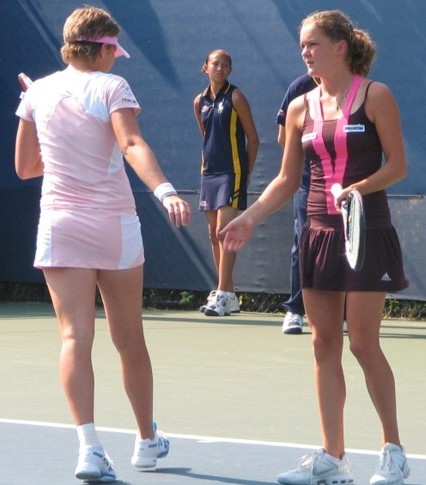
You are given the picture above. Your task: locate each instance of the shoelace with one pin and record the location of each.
(294, 319)
(105, 460)
(386, 463)
(308, 460)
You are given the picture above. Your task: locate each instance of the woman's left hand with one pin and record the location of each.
(236, 233)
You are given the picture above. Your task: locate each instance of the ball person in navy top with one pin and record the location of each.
(229, 153)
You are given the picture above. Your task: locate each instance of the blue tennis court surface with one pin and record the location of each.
(237, 378)
(40, 453)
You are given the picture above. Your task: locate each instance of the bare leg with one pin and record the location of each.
(122, 296)
(324, 310)
(364, 314)
(73, 295)
(212, 217)
(227, 258)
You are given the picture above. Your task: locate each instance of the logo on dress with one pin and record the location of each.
(220, 107)
(386, 277)
(309, 137)
(354, 128)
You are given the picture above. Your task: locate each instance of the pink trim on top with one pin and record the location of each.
(333, 175)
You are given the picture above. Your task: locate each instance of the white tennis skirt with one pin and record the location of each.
(88, 239)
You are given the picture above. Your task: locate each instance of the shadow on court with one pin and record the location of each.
(204, 478)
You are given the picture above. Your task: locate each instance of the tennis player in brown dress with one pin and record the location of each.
(344, 126)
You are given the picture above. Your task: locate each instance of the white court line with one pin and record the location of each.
(201, 439)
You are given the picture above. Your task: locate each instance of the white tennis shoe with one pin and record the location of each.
(211, 297)
(318, 468)
(292, 323)
(234, 304)
(95, 465)
(219, 306)
(392, 468)
(147, 451)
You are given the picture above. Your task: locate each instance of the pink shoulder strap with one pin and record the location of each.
(333, 172)
(356, 81)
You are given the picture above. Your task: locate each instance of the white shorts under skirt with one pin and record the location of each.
(89, 239)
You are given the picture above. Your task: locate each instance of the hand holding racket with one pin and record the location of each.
(25, 82)
(354, 226)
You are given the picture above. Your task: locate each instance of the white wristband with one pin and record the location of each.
(164, 190)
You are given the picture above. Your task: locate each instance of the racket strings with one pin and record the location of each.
(351, 226)
(355, 231)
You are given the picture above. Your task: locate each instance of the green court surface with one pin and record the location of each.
(234, 378)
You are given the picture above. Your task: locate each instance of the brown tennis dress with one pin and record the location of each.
(345, 151)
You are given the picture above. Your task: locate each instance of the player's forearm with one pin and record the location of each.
(389, 174)
(275, 196)
(144, 162)
(252, 149)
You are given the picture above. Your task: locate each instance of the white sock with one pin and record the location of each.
(88, 436)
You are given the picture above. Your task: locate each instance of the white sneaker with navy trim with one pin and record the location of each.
(211, 297)
(94, 465)
(219, 306)
(147, 451)
(292, 323)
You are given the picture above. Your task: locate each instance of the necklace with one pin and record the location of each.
(340, 103)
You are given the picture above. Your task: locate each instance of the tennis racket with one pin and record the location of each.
(354, 226)
(25, 82)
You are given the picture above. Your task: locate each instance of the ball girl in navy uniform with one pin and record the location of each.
(229, 154)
